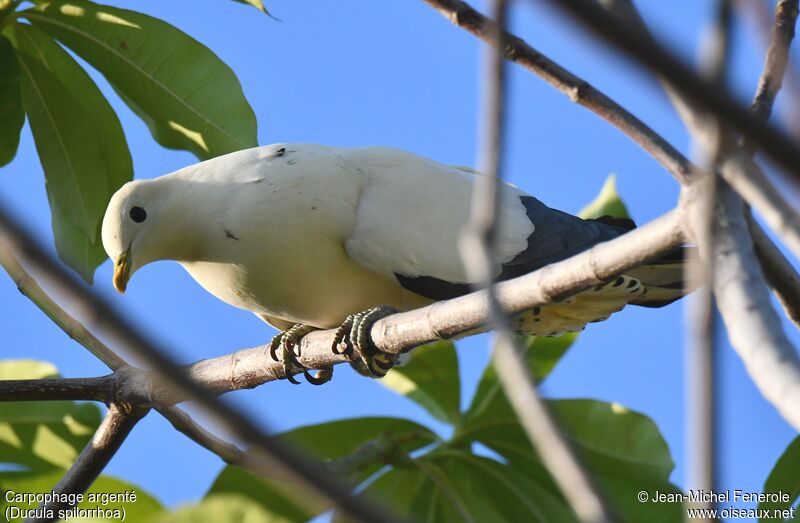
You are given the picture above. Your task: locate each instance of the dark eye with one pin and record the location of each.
(138, 214)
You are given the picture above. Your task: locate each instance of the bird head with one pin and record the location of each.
(131, 228)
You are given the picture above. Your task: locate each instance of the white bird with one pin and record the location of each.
(307, 237)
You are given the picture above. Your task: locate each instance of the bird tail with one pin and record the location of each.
(665, 277)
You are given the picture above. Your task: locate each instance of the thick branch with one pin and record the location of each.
(248, 368)
(401, 332)
(55, 389)
(92, 460)
(750, 182)
(754, 328)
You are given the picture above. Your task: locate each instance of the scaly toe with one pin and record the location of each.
(284, 348)
(365, 358)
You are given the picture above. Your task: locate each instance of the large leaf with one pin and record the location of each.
(624, 451)
(42, 435)
(541, 353)
(222, 508)
(277, 496)
(455, 486)
(606, 203)
(12, 116)
(141, 510)
(614, 440)
(785, 478)
(342, 439)
(187, 96)
(430, 377)
(80, 142)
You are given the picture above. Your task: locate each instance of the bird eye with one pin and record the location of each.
(138, 214)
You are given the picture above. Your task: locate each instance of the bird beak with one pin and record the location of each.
(122, 271)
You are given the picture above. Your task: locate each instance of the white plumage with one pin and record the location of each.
(311, 234)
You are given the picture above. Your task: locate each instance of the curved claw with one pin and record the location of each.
(323, 376)
(341, 336)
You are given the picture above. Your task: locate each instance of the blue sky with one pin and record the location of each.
(396, 73)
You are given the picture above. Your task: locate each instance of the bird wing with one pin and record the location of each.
(412, 211)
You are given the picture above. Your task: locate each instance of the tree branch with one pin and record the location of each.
(93, 459)
(56, 389)
(249, 368)
(775, 62)
(749, 180)
(754, 329)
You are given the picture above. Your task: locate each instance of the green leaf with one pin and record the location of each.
(542, 355)
(342, 439)
(455, 486)
(80, 142)
(784, 478)
(12, 116)
(430, 377)
(73, 247)
(624, 451)
(187, 96)
(42, 435)
(614, 440)
(141, 510)
(280, 497)
(607, 202)
(222, 509)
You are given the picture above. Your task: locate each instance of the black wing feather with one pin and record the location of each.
(557, 235)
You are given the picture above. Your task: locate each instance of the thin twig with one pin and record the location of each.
(92, 460)
(479, 259)
(775, 62)
(107, 320)
(754, 329)
(56, 389)
(764, 17)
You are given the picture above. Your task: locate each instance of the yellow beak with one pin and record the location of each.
(122, 271)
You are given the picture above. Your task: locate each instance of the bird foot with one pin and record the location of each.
(352, 338)
(287, 343)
